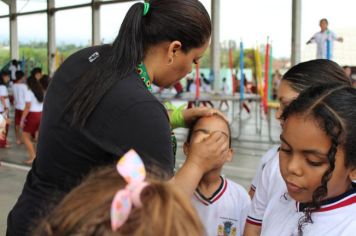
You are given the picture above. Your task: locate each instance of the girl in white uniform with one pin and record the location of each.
(31, 116)
(4, 106)
(318, 165)
(221, 204)
(19, 90)
(268, 179)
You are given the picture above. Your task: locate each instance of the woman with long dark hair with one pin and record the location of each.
(31, 116)
(99, 105)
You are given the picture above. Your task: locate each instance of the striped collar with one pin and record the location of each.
(217, 194)
(345, 199)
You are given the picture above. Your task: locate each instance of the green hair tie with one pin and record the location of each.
(146, 7)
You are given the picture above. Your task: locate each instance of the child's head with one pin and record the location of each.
(4, 77)
(36, 73)
(305, 75)
(86, 210)
(19, 76)
(204, 127)
(318, 151)
(323, 23)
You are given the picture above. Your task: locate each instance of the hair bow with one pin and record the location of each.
(132, 169)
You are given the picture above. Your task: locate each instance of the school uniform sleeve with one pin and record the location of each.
(246, 205)
(260, 200)
(314, 37)
(265, 158)
(333, 35)
(28, 96)
(3, 91)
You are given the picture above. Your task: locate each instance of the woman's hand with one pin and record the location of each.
(192, 114)
(209, 154)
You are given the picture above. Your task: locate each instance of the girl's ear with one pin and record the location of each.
(230, 154)
(186, 148)
(352, 174)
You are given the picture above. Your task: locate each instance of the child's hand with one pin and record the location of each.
(211, 153)
(190, 115)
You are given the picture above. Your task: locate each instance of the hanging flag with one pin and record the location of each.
(270, 79)
(265, 92)
(242, 77)
(231, 66)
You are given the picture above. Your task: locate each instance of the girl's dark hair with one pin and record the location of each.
(44, 81)
(36, 88)
(314, 73)
(167, 20)
(333, 107)
(191, 129)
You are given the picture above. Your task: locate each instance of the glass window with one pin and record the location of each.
(65, 3)
(27, 6)
(32, 35)
(75, 37)
(4, 9)
(4, 42)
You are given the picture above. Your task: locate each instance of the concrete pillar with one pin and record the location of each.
(14, 41)
(296, 31)
(95, 38)
(51, 37)
(215, 42)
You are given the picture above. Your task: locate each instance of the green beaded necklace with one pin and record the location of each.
(142, 72)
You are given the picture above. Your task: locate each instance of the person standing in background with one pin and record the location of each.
(324, 40)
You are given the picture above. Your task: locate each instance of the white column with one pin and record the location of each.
(215, 42)
(95, 39)
(14, 41)
(296, 31)
(51, 37)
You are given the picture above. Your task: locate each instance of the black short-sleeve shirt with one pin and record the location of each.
(128, 116)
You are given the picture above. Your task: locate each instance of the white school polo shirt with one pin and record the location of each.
(336, 217)
(225, 212)
(19, 91)
(36, 106)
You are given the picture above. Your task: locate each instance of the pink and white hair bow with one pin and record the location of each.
(132, 169)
